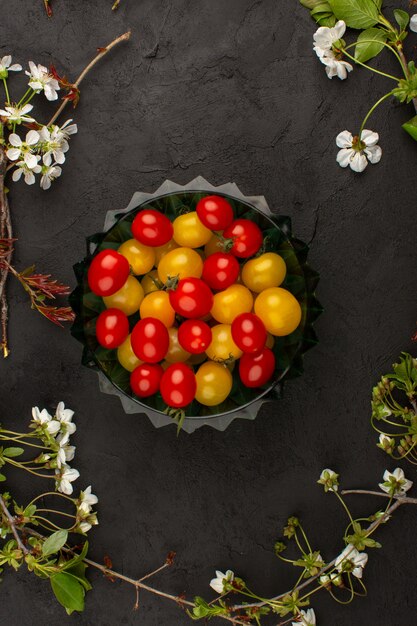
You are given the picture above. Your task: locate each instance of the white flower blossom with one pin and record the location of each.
(332, 578)
(413, 23)
(64, 477)
(351, 561)
(87, 499)
(6, 67)
(356, 152)
(42, 80)
(45, 421)
(28, 172)
(23, 148)
(49, 174)
(64, 417)
(329, 479)
(65, 452)
(17, 115)
(218, 583)
(324, 40)
(396, 483)
(306, 618)
(335, 66)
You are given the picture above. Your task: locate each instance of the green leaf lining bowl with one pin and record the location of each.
(301, 281)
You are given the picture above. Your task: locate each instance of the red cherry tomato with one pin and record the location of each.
(215, 212)
(249, 332)
(256, 369)
(152, 228)
(178, 385)
(194, 336)
(112, 328)
(220, 270)
(150, 340)
(192, 298)
(145, 379)
(246, 236)
(107, 273)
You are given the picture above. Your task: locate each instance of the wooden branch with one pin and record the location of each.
(12, 525)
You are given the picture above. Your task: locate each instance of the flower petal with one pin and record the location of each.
(344, 156)
(369, 137)
(13, 153)
(413, 23)
(344, 139)
(32, 138)
(374, 154)
(358, 162)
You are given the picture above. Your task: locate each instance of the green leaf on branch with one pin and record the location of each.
(370, 43)
(407, 87)
(54, 542)
(68, 591)
(323, 15)
(410, 127)
(12, 452)
(402, 18)
(356, 13)
(2, 478)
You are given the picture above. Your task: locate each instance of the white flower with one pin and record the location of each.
(64, 131)
(413, 23)
(351, 561)
(328, 579)
(329, 480)
(64, 416)
(87, 499)
(17, 115)
(395, 482)
(324, 39)
(49, 174)
(356, 152)
(218, 583)
(23, 148)
(42, 80)
(6, 67)
(335, 67)
(28, 172)
(43, 420)
(64, 477)
(306, 618)
(65, 452)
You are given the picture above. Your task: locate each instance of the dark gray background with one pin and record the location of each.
(231, 91)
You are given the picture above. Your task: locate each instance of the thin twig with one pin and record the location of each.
(380, 494)
(12, 525)
(101, 53)
(5, 232)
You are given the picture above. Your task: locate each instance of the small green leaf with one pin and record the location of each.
(2, 478)
(323, 15)
(402, 18)
(370, 43)
(54, 542)
(11, 452)
(356, 13)
(68, 591)
(410, 127)
(310, 4)
(79, 572)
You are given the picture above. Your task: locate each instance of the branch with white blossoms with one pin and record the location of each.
(377, 34)
(31, 150)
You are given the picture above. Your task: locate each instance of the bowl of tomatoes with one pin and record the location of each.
(194, 304)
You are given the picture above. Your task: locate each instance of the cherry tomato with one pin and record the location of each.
(192, 298)
(108, 272)
(181, 263)
(279, 310)
(194, 336)
(150, 282)
(112, 328)
(222, 347)
(248, 332)
(230, 302)
(189, 231)
(157, 304)
(152, 228)
(128, 298)
(215, 244)
(220, 270)
(263, 272)
(150, 340)
(126, 357)
(161, 251)
(141, 258)
(178, 385)
(256, 369)
(215, 212)
(145, 379)
(214, 383)
(176, 352)
(246, 236)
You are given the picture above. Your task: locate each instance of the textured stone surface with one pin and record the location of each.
(232, 91)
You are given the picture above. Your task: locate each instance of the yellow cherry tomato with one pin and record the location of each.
(176, 353)
(128, 298)
(161, 251)
(214, 383)
(126, 357)
(279, 310)
(222, 347)
(181, 262)
(141, 258)
(156, 304)
(150, 282)
(213, 245)
(189, 231)
(230, 303)
(267, 270)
